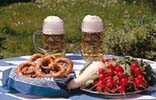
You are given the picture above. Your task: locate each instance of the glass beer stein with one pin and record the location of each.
(92, 37)
(53, 36)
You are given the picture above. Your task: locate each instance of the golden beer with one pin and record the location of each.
(54, 44)
(53, 36)
(92, 37)
(92, 44)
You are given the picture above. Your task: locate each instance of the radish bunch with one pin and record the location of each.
(119, 76)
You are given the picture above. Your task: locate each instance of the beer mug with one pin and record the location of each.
(53, 36)
(92, 37)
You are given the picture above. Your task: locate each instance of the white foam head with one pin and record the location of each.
(92, 23)
(53, 25)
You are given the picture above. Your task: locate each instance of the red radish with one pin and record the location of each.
(106, 89)
(110, 66)
(124, 81)
(115, 81)
(100, 83)
(101, 76)
(109, 81)
(132, 78)
(110, 72)
(139, 83)
(137, 71)
(118, 68)
(114, 89)
(141, 77)
(134, 64)
(121, 75)
(101, 71)
(121, 89)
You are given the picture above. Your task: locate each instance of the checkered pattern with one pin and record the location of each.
(13, 62)
(78, 64)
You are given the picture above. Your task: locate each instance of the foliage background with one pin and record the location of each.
(129, 25)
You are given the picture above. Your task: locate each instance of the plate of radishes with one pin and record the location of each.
(118, 76)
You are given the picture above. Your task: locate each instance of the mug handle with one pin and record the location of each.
(35, 43)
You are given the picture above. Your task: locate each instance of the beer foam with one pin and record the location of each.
(92, 23)
(53, 25)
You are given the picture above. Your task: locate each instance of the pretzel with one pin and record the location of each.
(40, 72)
(40, 66)
(45, 62)
(26, 69)
(50, 57)
(35, 57)
(57, 70)
(67, 63)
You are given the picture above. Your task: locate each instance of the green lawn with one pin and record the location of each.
(18, 21)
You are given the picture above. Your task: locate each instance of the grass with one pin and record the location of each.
(20, 20)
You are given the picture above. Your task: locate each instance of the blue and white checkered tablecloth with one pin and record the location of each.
(78, 64)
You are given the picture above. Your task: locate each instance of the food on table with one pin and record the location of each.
(119, 75)
(35, 57)
(26, 69)
(85, 75)
(67, 62)
(40, 66)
